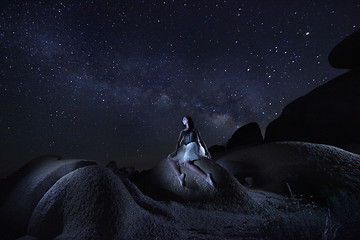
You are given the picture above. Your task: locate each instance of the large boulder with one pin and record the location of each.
(93, 203)
(86, 203)
(315, 171)
(217, 150)
(249, 134)
(347, 53)
(329, 114)
(21, 192)
(161, 183)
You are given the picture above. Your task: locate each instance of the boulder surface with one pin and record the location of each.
(161, 183)
(93, 203)
(21, 192)
(298, 168)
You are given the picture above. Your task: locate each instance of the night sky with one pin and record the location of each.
(111, 80)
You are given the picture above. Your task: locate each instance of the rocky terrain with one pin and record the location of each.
(91, 202)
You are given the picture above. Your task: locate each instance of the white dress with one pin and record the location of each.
(189, 152)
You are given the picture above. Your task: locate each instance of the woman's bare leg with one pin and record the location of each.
(189, 165)
(174, 166)
(176, 169)
(207, 177)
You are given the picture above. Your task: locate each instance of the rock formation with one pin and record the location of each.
(91, 203)
(248, 134)
(217, 150)
(346, 53)
(330, 113)
(161, 183)
(22, 192)
(307, 169)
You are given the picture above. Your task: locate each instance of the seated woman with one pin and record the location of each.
(190, 147)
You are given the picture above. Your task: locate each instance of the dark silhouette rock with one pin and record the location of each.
(112, 166)
(346, 53)
(22, 191)
(217, 150)
(161, 183)
(124, 172)
(329, 114)
(27, 237)
(306, 169)
(248, 134)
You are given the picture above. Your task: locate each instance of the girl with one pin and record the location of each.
(190, 147)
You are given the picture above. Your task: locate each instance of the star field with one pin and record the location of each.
(111, 80)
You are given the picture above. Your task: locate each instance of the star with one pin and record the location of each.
(113, 81)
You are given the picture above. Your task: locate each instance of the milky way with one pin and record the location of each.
(111, 80)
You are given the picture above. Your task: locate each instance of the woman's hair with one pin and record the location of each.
(190, 121)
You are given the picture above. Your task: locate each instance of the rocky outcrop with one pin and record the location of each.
(246, 136)
(161, 183)
(346, 53)
(249, 134)
(329, 114)
(89, 203)
(326, 175)
(22, 191)
(306, 169)
(126, 172)
(217, 150)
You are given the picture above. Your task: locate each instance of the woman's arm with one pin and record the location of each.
(202, 143)
(179, 141)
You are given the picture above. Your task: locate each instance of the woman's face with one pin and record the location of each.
(184, 121)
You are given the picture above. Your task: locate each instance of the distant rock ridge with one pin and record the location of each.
(127, 172)
(247, 134)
